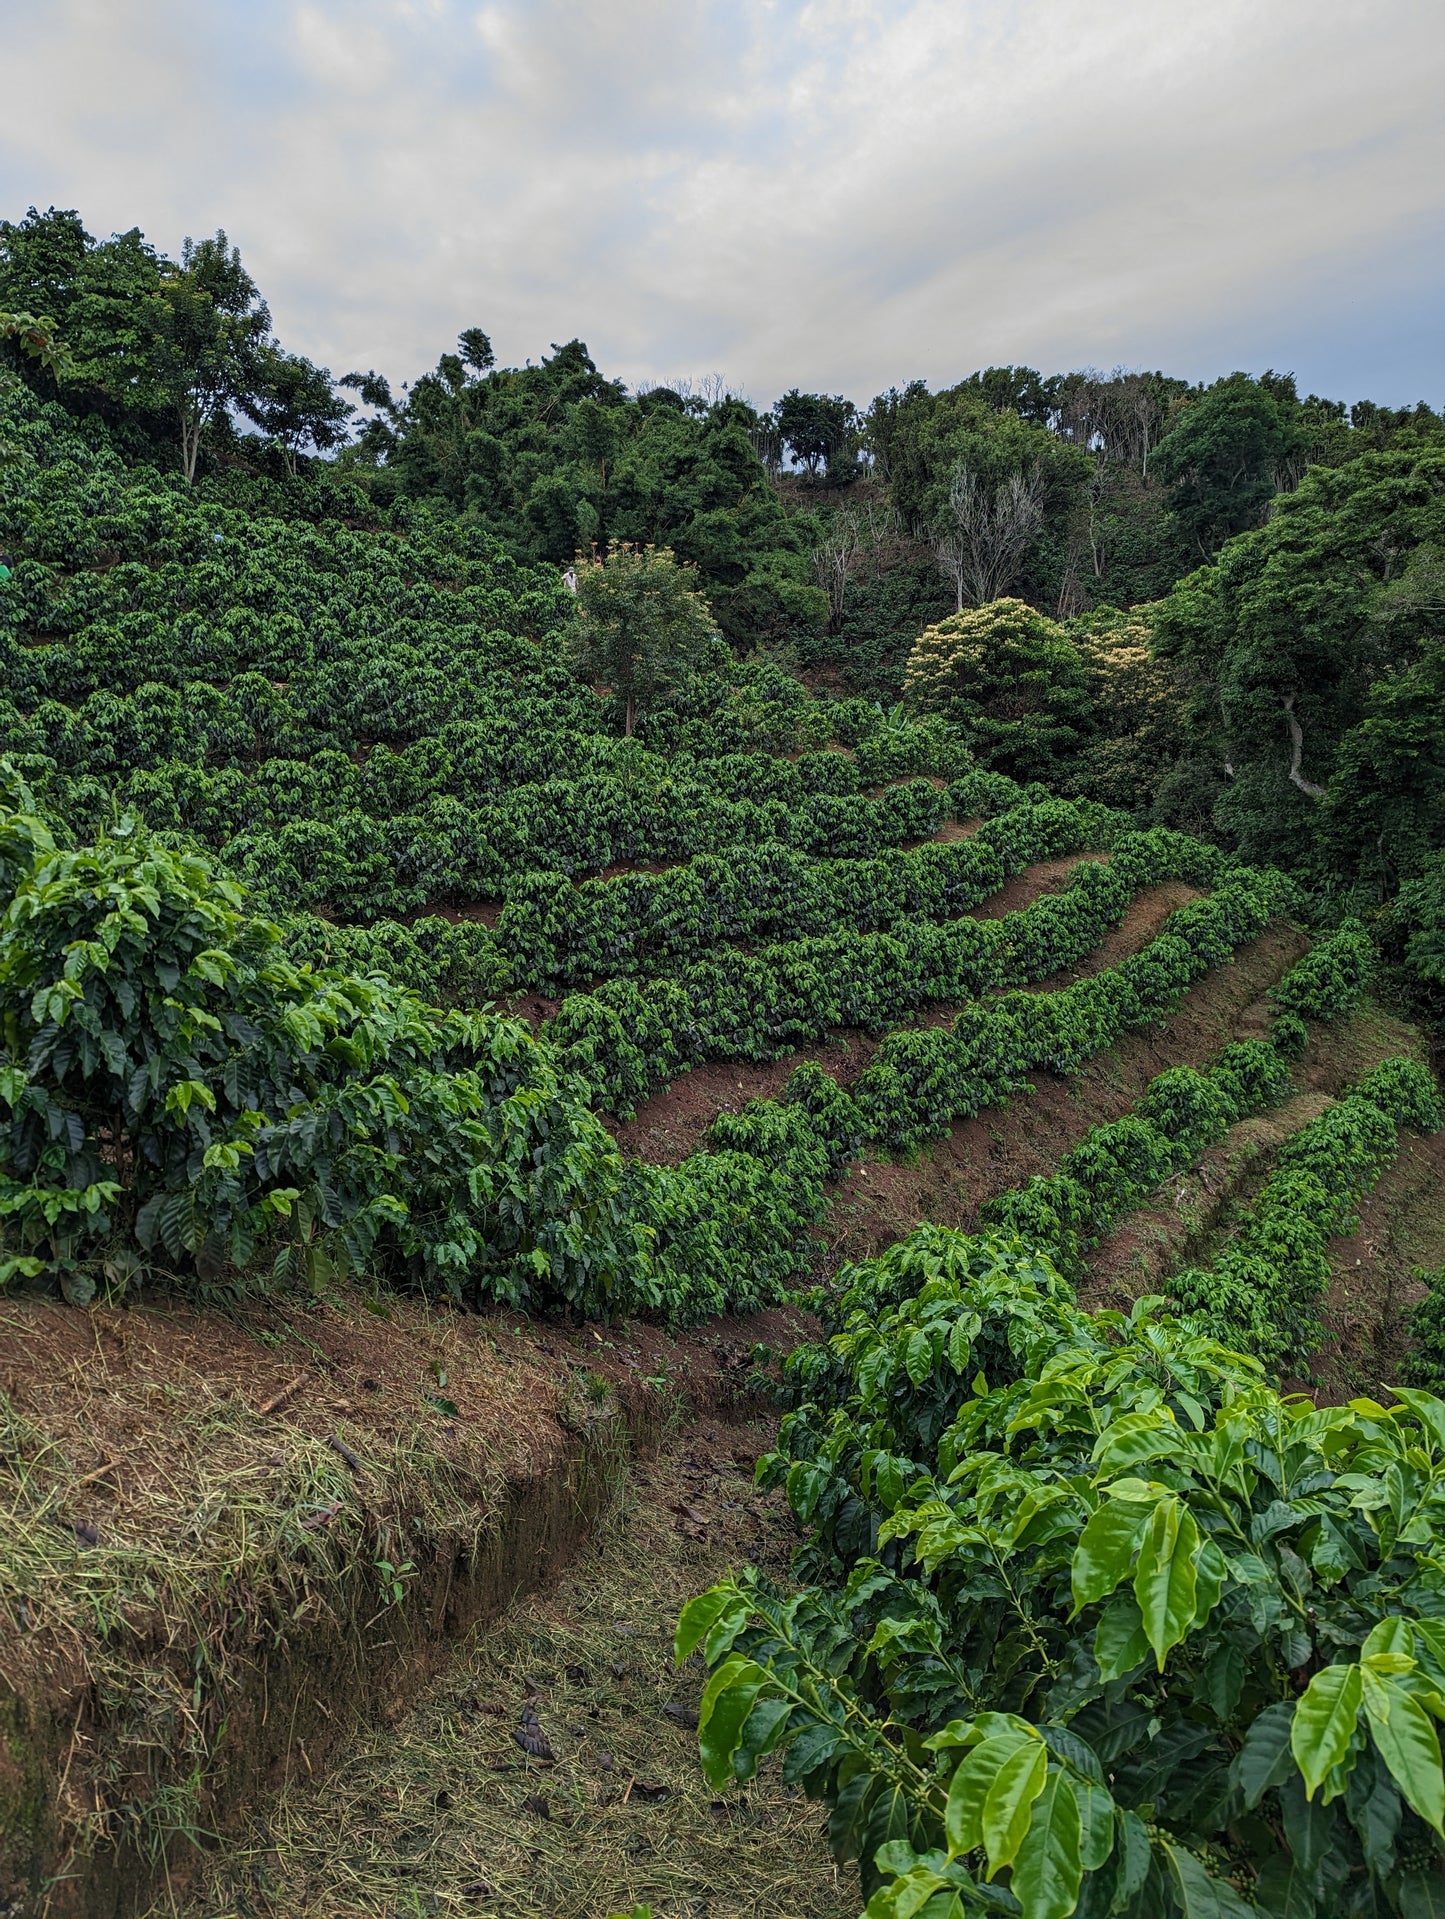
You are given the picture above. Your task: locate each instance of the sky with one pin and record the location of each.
(841, 195)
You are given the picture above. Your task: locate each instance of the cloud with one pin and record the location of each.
(834, 193)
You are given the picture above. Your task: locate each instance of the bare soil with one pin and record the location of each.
(439, 1810)
(1186, 1220)
(1373, 1284)
(947, 1181)
(200, 1508)
(674, 1121)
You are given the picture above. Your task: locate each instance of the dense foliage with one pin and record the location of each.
(1109, 1615)
(320, 772)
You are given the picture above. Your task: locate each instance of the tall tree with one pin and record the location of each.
(642, 624)
(1226, 459)
(295, 404)
(982, 543)
(209, 325)
(820, 430)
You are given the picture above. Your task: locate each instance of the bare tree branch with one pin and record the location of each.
(1297, 743)
(993, 532)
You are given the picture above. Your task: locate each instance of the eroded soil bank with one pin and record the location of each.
(442, 1811)
(230, 1540)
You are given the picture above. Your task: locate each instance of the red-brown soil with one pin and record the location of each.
(674, 1121)
(1186, 1220)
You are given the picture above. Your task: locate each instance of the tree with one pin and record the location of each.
(642, 623)
(1137, 711)
(857, 537)
(36, 337)
(988, 531)
(1011, 678)
(993, 493)
(295, 404)
(820, 430)
(209, 326)
(1226, 459)
(1310, 648)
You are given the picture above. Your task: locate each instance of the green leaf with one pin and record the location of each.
(963, 1814)
(1134, 1854)
(725, 1706)
(1422, 1895)
(1224, 1680)
(918, 1357)
(1105, 1551)
(1211, 1569)
(1265, 1759)
(1166, 1582)
(1390, 1636)
(1429, 1410)
(1049, 1869)
(1120, 1643)
(698, 1617)
(1406, 1739)
(1096, 1821)
(1009, 1800)
(1324, 1722)
(1198, 1894)
(765, 1726)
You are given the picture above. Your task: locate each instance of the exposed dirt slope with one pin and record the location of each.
(948, 1180)
(1199, 1208)
(440, 1811)
(199, 1515)
(1373, 1284)
(673, 1122)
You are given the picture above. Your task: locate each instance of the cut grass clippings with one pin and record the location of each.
(444, 1811)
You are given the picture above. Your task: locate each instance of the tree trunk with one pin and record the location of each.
(1297, 744)
(628, 733)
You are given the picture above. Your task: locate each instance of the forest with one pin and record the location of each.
(962, 872)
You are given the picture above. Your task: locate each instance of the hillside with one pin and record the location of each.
(423, 1098)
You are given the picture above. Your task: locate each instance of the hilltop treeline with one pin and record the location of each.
(1227, 597)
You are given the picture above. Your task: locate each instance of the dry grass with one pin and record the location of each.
(153, 1609)
(438, 1813)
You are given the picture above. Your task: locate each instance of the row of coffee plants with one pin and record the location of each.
(363, 866)
(766, 889)
(626, 1036)
(182, 1099)
(186, 1098)
(1119, 1164)
(148, 622)
(1262, 1293)
(1109, 1627)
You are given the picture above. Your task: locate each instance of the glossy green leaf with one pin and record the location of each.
(1406, 1739)
(1165, 1578)
(1105, 1552)
(1324, 1722)
(1265, 1758)
(1197, 1892)
(1120, 1642)
(1422, 1894)
(726, 1703)
(1048, 1868)
(698, 1617)
(963, 1813)
(1008, 1802)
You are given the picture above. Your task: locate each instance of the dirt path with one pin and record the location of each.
(1372, 1283)
(228, 1538)
(1189, 1217)
(948, 1180)
(441, 1811)
(673, 1122)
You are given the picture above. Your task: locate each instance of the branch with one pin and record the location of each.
(1297, 742)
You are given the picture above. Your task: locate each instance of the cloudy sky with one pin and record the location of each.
(841, 194)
